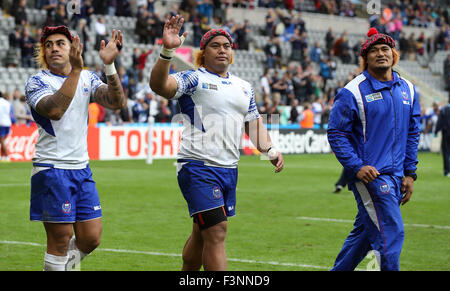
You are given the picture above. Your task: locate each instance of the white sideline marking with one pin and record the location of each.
(177, 255)
(15, 184)
(351, 221)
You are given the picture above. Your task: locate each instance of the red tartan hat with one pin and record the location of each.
(213, 33)
(374, 37)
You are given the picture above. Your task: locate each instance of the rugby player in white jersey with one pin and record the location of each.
(63, 194)
(217, 107)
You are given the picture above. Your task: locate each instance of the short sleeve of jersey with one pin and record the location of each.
(187, 82)
(252, 109)
(95, 82)
(35, 89)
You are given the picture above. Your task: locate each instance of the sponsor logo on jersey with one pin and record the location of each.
(209, 86)
(374, 96)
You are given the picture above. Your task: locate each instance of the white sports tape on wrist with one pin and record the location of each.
(110, 69)
(167, 54)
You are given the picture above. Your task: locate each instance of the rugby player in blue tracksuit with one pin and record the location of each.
(374, 133)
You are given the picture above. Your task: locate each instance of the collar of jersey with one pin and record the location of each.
(56, 74)
(378, 85)
(205, 70)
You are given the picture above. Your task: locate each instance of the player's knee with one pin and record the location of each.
(215, 234)
(88, 244)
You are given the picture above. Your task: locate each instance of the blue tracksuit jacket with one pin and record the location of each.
(375, 123)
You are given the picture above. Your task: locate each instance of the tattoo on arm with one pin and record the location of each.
(54, 106)
(110, 96)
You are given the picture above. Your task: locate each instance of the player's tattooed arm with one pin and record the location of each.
(54, 106)
(111, 96)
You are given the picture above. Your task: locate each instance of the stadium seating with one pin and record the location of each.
(248, 64)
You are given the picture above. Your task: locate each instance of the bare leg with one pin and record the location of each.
(214, 256)
(58, 237)
(88, 234)
(193, 250)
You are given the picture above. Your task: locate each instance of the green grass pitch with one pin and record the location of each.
(286, 221)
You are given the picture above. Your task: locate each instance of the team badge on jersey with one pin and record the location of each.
(384, 187)
(405, 98)
(66, 207)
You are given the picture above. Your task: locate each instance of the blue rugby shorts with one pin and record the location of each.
(64, 196)
(206, 187)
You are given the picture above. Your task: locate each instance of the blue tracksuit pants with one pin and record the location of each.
(378, 225)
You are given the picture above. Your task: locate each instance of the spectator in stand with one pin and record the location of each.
(83, 32)
(325, 71)
(26, 49)
(345, 55)
(142, 25)
(19, 13)
(403, 45)
(100, 32)
(412, 47)
(337, 44)
(197, 31)
(356, 51)
(94, 112)
(279, 85)
(188, 9)
(317, 109)
(86, 10)
(164, 114)
(205, 8)
(266, 83)
(315, 53)
(273, 53)
(140, 108)
(299, 45)
(289, 27)
(21, 109)
(329, 40)
(271, 19)
(294, 117)
(60, 17)
(421, 44)
(241, 35)
(441, 39)
(50, 7)
(307, 117)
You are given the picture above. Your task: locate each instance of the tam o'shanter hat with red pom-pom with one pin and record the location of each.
(374, 37)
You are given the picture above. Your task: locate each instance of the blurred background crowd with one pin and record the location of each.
(298, 71)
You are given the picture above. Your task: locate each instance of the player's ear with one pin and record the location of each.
(232, 58)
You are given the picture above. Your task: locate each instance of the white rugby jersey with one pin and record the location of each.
(214, 110)
(62, 143)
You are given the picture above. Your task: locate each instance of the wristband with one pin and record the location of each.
(411, 174)
(110, 69)
(272, 153)
(167, 54)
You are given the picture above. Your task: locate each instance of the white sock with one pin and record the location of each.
(55, 263)
(75, 256)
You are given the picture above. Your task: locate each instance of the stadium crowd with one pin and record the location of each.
(296, 87)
